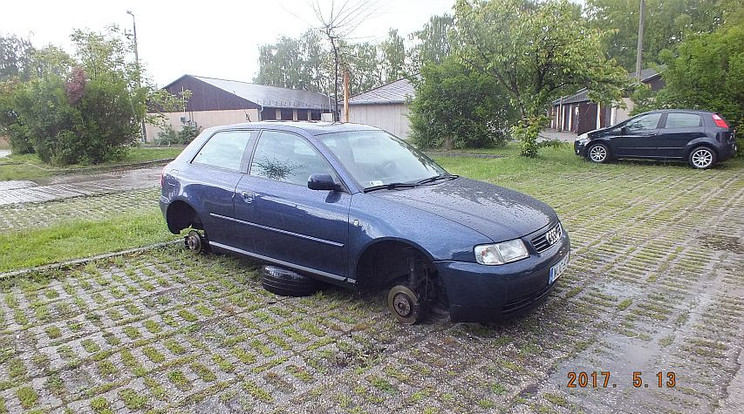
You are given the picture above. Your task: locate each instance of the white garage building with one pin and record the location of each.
(385, 107)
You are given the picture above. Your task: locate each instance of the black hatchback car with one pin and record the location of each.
(698, 137)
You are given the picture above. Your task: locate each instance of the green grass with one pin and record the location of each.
(80, 239)
(511, 164)
(30, 167)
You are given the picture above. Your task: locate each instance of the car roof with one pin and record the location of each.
(314, 128)
(695, 111)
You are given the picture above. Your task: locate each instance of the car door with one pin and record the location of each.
(210, 180)
(285, 221)
(678, 129)
(637, 137)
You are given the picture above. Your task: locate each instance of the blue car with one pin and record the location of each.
(354, 206)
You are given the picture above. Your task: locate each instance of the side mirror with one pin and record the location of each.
(322, 182)
(624, 130)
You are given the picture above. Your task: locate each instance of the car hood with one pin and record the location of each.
(496, 212)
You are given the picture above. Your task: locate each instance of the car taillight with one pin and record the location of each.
(720, 122)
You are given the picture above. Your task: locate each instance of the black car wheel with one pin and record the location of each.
(196, 243)
(702, 157)
(284, 282)
(598, 153)
(405, 305)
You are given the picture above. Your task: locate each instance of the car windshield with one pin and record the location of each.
(376, 158)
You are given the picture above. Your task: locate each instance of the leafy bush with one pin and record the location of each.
(458, 108)
(169, 136)
(526, 132)
(84, 108)
(75, 121)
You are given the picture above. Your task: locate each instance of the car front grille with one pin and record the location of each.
(543, 241)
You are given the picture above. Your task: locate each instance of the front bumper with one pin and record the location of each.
(580, 148)
(480, 293)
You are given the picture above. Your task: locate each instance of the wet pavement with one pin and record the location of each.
(553, 134)
(76, 185)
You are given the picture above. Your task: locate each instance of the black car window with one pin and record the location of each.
(287, 157)
(224, 150)
(649, 121)
(682, 120)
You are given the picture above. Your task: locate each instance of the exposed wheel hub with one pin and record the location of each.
(193, 241)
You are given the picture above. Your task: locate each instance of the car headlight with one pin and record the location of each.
(583, 138)
(501, 253)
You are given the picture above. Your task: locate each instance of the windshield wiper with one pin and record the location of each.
(390, 186)
(437, 178)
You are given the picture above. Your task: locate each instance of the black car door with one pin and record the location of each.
(637, 138)
(678, 129)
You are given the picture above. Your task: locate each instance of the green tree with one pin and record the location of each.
(458, 107)
(432, 42)
(668, 22)
(365, 71)
(15, 57)
(536, 52)
(392, 52)
(85, 108)
(707, 72)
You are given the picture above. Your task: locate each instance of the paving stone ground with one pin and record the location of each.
(656, 285)
(76, 185)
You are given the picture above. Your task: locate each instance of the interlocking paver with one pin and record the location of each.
(655, 286)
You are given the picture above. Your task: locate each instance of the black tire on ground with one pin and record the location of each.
(405, 305)
(702, 157)
(598, 153)
(285, 282)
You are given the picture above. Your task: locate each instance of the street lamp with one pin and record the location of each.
(136, 60)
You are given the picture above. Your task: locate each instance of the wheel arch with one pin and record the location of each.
(395, 251)
(697, 144)
(181, 215)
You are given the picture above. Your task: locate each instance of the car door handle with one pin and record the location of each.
(247, 197)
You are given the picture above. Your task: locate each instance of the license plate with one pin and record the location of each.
(557, 270)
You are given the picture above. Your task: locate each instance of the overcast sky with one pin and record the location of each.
(210, 38)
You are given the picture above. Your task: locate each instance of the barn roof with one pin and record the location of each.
(266, 96)
(396, 92)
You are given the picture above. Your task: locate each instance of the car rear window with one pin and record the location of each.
(224, 150)
(682, 120)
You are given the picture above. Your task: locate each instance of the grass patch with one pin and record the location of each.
(153, 354)
(30, 167)
(132, 399)
(203, 372)
(99, 405)
(179, 380)
(624, 304)
(27, 396)
(78, 239)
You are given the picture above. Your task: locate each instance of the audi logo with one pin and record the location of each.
(554, 235)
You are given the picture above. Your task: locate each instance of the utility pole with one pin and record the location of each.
(639, 52)
(346, 95)
(137, 64)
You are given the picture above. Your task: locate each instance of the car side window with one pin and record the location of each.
(682, 120)
(643, 122)
(287, 157)
(224, 150)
